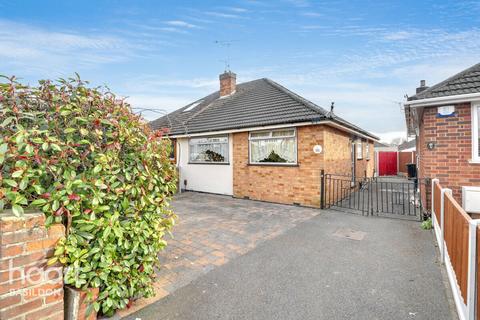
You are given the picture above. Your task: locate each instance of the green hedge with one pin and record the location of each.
(81, 156)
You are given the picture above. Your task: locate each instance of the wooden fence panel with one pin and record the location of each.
(456, 239)
(405, 158)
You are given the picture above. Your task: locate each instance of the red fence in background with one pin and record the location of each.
(405, 158)
(387, 163)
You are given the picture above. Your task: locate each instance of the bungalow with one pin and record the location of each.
(258, 140)
(445, 120)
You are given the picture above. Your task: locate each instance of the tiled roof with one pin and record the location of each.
(255, 103)
(407, 145)
(465, 82)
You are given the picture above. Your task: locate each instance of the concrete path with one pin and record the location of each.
(333, 266)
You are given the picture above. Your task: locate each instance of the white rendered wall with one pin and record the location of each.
(213, 178)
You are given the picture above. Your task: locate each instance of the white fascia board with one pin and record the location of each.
(279, 126)
(339, 126)
(443, 100)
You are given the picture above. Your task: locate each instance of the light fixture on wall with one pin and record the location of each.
(430, 145)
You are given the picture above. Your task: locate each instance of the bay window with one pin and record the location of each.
(273, 146)
(208, 149)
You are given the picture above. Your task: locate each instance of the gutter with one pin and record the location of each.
(278, 126)
(443, 100)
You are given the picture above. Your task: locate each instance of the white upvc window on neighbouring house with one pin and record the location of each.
(273, 147)
(212, 149)
(367, 150)
(476, 132)
(359, 151)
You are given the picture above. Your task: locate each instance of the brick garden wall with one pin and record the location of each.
(29, 289)
(449, 160)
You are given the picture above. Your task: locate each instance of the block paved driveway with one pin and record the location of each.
(214, 229)
(240, 259)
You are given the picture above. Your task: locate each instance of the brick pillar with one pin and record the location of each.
(29, 289)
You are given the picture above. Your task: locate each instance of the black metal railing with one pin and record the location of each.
(389, 196)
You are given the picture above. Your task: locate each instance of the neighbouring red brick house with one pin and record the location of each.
(445, 120)
(261, 141)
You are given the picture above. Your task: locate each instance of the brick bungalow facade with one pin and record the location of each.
(258, 140)
(445, 120)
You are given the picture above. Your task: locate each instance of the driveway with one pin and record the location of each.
(211, 231)
(326, 266)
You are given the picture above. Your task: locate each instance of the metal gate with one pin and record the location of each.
(394, 197)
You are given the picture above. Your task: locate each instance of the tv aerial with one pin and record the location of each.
(226, 44)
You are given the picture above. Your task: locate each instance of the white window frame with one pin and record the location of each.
(271, 137)
(367, 151)
(227, 157)
(359, 149)
(475, 126)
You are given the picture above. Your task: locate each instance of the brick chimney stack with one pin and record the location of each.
(228, 83)
(422, 86)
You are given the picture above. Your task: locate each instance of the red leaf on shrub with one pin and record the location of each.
(74, 196)
(141, 268)
(59, 211)
(129, 304)
(45, 195)
(87, 211)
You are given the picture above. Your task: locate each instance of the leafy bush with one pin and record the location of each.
(427, 224)
(81, 156)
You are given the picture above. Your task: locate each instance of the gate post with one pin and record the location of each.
(472, 269)
(322, 189)
(442, 222)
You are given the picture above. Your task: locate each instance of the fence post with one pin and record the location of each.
(442, 222)
(472, 269)
(432, 194)
(322, 189)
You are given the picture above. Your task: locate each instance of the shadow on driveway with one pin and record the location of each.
(316, 271)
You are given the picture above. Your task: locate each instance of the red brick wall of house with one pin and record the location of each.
(299, 184)
(449, 160)
(338, 154)
(282, 184)
(29, 289)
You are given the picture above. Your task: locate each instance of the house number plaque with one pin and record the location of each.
(317, 149)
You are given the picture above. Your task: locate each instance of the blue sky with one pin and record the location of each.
(364, 55)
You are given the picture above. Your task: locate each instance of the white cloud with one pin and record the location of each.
(311, 14)
(222, 15)
(28, 49)
(159, 104)
(181, 23)
(390, 136)
(399, 35)
(237, 9)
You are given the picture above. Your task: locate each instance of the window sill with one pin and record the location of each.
(274, 164)
(211, 163)
(472, 161)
